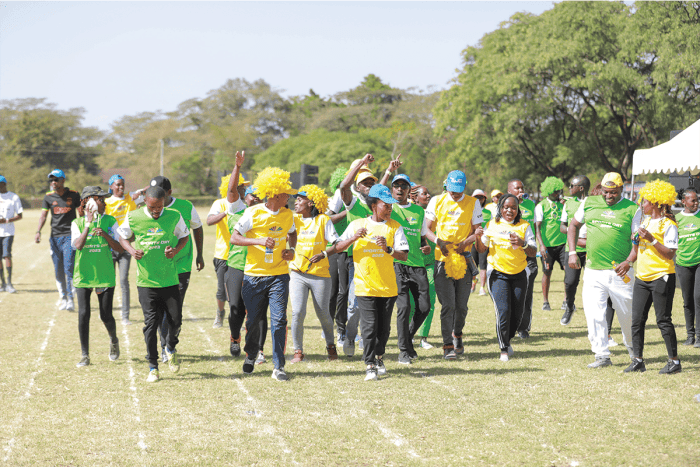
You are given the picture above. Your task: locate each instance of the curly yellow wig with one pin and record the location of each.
(659, 192)
(272, 181)
(456, 266)
(317, 195)
(223, 188)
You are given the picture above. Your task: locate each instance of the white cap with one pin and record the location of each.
(478, 192)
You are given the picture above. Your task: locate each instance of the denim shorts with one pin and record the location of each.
(6, 244)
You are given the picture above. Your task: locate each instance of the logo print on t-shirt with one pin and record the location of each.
(608, 214)
(154, 230)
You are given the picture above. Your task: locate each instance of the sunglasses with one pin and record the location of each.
(572, 185)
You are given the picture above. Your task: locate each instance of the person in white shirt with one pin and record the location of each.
(10, 212)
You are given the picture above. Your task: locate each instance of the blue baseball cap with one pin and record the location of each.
(403, 177)
(382, 193)
(250, 190)
(456, 181)
(58, 173)
(3, 179)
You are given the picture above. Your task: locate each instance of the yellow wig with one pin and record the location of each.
(659, 192)
(317, 195)
(271, 182)
(223, 188)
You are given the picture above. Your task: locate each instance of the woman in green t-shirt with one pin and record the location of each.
(92, 236)
(688, 262)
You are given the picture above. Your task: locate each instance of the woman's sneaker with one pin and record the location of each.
(381, 369)
(153, 376)
(371, 374)
(85, 361)
(235, 347)
(636, 366)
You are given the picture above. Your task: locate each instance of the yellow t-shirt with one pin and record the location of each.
(454, 220)
(374, 268)
(502, 257)
(223, 235)
(313, 234)
(258, 222)
(119, 208)
(651, 265)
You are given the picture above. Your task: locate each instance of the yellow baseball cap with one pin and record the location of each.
(364, 175)
(612, 179)
(496, 193)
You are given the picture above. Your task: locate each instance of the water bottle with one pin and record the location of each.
(268, 254)
(626, 279)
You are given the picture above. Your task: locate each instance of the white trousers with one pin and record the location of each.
(598, 285)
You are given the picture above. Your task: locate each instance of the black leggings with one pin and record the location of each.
(660, 292)
(689, 277)
(105, 301)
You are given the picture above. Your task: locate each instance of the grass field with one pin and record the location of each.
(543, 408)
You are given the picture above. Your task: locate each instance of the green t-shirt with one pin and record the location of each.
(550, 230)
(571, 207)
(609, 231)
(429, 259)
(527, 212)
(236, 253)
(488, 212)
(688, 253)
(359, 210)
(183, 260)
(153, 236)
(411, 219)
(341, 225)
(93, 263)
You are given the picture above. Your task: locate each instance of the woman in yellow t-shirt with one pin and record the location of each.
(309, 272)
(509, 241)
(655, 247)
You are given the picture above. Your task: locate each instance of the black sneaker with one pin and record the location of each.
(636, 365)
(457, 342)
(546, 307)
(412, 354)
(689, 341)
(235, 347)
(671, 368)
(248, 365)
(404, 359)
(523, 334)
(697, 343)
(449, 352)
(114, 350)
(566, 317)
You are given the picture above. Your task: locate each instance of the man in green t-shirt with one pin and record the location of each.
(610, 221)
(159, 234)
(527, 212)
(549, 235)
(578, 188)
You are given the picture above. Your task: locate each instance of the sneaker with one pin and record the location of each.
(248, 365)
(173, 361)
(482, 292)
(523, 334)
(546, 307)
(457, 342)
(404, 359)
(153, 376)
(412, 354)
(332, 352)
(510, 351)
(10, 289)
(85, 361)
(69, 305)
(636, 365)
(2, 288)
(504, 356)
(671, 368)
(371, 374)
(114, 350)
(381, 369)
(298, 356)
(689, 341)
(424, 344)
(219, 320)
(340, 338)
(235, 346)
(260, 359)
(449, 352)
(697, 343)
(62, 303)
(600, 363)
(279, 374)
(566, 317)
(611, 342)
(360, 343)
(348, 348)
(164, 354)
(126, 322)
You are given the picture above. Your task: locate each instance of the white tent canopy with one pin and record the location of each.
(681, 154)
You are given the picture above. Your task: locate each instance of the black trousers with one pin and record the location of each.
(690, 288)
(184, 279)
(413, 280)
(508, 294)
(454, 298)
(572, 277)
(157, 304)
(375, 322)
(526, 322)
(234, 284)
(341, 305)
(659, 292)
(105, 301)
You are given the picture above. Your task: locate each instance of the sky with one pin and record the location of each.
(121, 58)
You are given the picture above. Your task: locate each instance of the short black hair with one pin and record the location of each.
(682, 192)
(583, 181)
(500, 204)
(155, 192)
(371, 201)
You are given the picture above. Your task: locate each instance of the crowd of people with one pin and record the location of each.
(372, 246)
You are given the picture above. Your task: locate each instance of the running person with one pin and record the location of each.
(509, 241)
(420, 196)
(62, 202)
(339, 265)
(688, 263)
(548, 231)
(378, 241)
(93, 237)
(655, 248)
(309, 270)
(10, 212)
(264, 229)
(118, 206)
(158, 234)
(481, 258)
(610, 220)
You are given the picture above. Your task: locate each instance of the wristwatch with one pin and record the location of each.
(389, 250)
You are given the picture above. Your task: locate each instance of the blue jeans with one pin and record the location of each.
(259, 292)
(63, 256)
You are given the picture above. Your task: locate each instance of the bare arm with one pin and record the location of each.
(564, 227)
(393, 167)
(335, 218)
(571, 236)
(349, 179)
(240, 240)
(42, 221)
(232, 193)
(198, 234)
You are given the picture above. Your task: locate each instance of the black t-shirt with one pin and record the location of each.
(62, 210)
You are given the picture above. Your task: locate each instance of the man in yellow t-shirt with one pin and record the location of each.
(232, 191)
(450, 221)
(264, 229)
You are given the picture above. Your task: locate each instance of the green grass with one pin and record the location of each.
(543, 408)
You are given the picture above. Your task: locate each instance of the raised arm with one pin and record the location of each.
(349, 179)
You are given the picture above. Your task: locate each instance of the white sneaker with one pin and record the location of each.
(504, 356)
(424, 344)
(260, 359)
(126, 322)
(371, 373)
(482, 292)
(381, 369)
(152, 376)
(348, 348)
(9, 288)
(611, 342)
(62, 303)
(69, 305)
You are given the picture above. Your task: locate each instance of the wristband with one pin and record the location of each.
(389, 250)
(325, 254)
(654, 242)
(572, 253)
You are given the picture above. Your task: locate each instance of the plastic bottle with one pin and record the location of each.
(268, 255)
(626, 279)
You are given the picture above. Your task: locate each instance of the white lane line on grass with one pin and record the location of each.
(132, 387)
(395, 438)
(212, 348)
